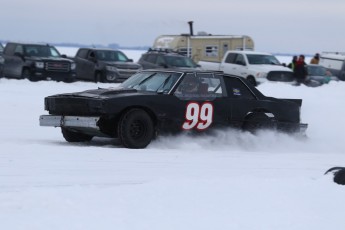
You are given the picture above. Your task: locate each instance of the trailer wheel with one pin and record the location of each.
(135, 129)
(71, 136)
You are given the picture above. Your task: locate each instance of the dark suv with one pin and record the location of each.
(104, 65)
(154, 59)
(36, 62)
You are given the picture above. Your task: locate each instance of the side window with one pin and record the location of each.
(239, 60)
(91, 54)
(151, 58)
(19, 49)
(122, 57)
(200, 86)
(160, 61)
(9, 49)
(54, 52)
(82, 53)
(230, 58)
(237, 89)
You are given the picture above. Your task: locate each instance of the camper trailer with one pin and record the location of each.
(203, 46)
(334, 62)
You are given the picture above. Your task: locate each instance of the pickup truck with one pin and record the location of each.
(36, 62)
(251, 65)
(104, 65)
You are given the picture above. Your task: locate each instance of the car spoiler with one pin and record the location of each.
(297, 101)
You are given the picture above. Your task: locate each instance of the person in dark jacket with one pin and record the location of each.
(293, 63)
(300, 70)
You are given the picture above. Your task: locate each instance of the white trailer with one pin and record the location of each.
(203, 47)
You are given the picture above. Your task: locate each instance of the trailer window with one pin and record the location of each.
(211, 51)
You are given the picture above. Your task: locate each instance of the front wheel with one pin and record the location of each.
(135, 129)
(71, 136)
(252, 80)
(26, 74)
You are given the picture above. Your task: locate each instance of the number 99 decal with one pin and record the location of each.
(198, 116)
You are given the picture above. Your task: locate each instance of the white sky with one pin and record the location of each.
(293, 26)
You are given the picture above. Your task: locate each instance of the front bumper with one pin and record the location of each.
(69, 121)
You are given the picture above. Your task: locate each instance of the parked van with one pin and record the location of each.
(334, 62)
(203, 47)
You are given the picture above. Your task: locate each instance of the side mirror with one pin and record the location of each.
(129, 60)
(64, 55)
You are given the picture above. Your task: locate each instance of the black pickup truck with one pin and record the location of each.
(104, 65)
(36, 62)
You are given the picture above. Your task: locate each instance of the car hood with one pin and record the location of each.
(45, 59)
(100, 93)
(123, 65)
(268, 68)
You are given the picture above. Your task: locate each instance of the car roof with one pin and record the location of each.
(33, 44)
(100, 49)
(248, 52)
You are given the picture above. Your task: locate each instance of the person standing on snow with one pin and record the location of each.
(300, 70)
(293, 63)
(315, 59)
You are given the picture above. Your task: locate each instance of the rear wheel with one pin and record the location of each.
(257, 121)
(135, 129)
(71, 136)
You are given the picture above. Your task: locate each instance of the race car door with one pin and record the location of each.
(202, 102)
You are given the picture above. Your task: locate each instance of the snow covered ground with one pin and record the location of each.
(232, 180)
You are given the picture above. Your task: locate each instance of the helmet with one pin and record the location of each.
(190, 84)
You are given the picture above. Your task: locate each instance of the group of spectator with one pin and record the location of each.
(298, 66)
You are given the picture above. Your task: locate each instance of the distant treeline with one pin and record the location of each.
(112, 45)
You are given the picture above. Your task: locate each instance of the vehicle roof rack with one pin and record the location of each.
(162, 50)
(332, 52)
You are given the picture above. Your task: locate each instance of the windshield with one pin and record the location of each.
(317, 71)
(111, 55)
(41, 51)
(152, 81)
(259, 59)
(180, 61)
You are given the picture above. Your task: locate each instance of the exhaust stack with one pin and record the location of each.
(191, 28)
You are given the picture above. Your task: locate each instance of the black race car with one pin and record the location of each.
(153, 102)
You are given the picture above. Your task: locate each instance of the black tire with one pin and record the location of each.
(135, 129)
(109, 78)
(26, 74)
(71, 136)
(252, 80)
(256, 121)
